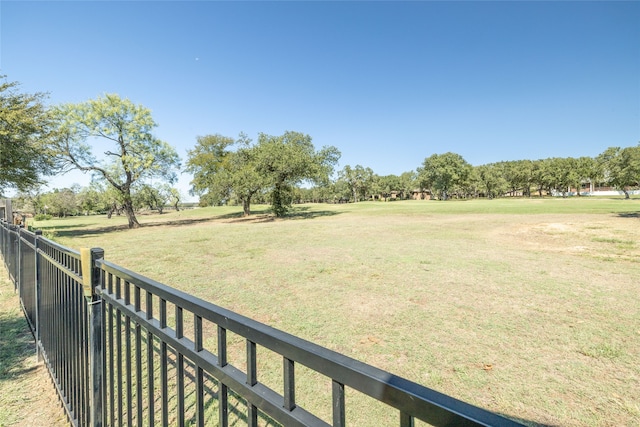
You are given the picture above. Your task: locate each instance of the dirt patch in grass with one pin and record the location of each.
(27, 395)
(594, 237)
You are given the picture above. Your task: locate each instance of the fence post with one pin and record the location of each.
(91, 278)
(14, 259)
(36, 243)
(3, 248)
(19, 261)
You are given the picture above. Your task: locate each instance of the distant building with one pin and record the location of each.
(421, 194)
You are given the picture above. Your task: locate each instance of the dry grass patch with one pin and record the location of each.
(531, 315)
(596, 238)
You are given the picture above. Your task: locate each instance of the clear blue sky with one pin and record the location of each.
(387, 83)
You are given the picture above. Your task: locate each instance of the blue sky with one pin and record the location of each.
(387, 83)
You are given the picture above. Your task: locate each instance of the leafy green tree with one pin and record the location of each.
(206, 161)
(518, 175)
(540, 175)
(111, 198)
(443, 173)
(387, 185)
(156, 196)
(490, 180)
(153, 197)
(225, 169)
(244, 178)
(408, 183)
(472, 185)
(60, 202)
(289, 159)
(359, 179)
(174, 198)
(574, 176)
(123, 132)
(25, 128)
(318, 194)
(560, 174)
(339, 191)
(27, 201)
(588, 171)
(621, 167)
(90, 199)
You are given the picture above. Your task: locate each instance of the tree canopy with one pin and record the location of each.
(25, 129)
(442, 173)
(122, 131)
(358, 178)
(290, 159)
(224, 169)
(622, 167)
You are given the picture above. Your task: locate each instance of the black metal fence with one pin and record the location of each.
(124, 350)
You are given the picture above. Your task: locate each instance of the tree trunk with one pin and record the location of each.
(131, 216)
(280, 201)
(246, 207)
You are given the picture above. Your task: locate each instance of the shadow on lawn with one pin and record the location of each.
(305, 212)
(54, 227)
(76, 232)
(629, 214)
(257, 216)
(297, 213)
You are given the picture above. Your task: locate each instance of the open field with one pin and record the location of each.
(529, 308)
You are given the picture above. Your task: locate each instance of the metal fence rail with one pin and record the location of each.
(9, 244)
(125, 350)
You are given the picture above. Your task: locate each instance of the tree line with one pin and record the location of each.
(449, 175)
(112, 139)
(221, 175)
(96, 198)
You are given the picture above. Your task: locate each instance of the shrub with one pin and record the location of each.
(42, 217)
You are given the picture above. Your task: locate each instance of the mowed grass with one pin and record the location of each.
(528, 308)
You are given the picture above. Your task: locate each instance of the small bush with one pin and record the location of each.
(42, 217)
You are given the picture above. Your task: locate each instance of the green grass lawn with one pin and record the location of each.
(528, 308)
